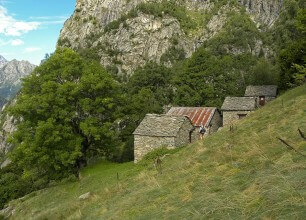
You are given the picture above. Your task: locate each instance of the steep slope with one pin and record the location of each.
(2, 102)
(244, 174)
(11, 74)
(123, 35)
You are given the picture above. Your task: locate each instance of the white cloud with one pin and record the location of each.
(11, 27)
(17, 42)
(32, 49)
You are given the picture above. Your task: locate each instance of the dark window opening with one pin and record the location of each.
(262, 100)
(242, 116)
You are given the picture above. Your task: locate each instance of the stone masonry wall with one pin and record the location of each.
(145, 144)
(183, 137)
(230, 117)
(216, 122)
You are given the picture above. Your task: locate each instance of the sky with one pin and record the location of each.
(30, 28)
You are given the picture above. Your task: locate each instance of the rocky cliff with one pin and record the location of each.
(124, 34)
(11, 73)
(263, 12)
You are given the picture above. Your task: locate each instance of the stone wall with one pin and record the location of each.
(183, 137)
(145, 144)
(195, 134)
(230, 117)
(216, 122)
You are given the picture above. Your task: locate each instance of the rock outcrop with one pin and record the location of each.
(125, 37)
(8, 126)
(263, 11)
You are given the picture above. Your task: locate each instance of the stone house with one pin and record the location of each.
(235, 108)
(263, 94)
(157, 131)
(209, 117)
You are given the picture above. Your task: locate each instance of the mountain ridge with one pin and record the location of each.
(11, 73)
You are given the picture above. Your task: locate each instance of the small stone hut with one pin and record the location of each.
(235, 108)
(263, 94)
(209, 117)
(161, 131)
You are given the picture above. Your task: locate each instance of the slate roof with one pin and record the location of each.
(160, 125)
(269, 90)
(197, 115)
(239, 104)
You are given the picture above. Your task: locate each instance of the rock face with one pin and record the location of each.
(8, 126)
(3, 101)
(11, 74)
(125, 37)
(263, 11)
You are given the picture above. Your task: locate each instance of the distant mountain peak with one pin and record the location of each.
(3, 61)
(2, 58)
(11, 73)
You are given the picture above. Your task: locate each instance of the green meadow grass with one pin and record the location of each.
(245, 174)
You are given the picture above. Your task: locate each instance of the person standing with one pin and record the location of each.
(202, 131)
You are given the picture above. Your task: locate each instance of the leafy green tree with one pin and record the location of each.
(205, 79)
(13, 185)
(263, 73)
(66, 109)
(154, 77)
(292, 58)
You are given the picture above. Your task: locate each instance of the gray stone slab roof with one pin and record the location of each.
(161, 125)
(239, 104)
(269, 90)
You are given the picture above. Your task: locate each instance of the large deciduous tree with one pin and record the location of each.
(66, 109)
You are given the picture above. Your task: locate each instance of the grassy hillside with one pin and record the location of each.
(245, 174)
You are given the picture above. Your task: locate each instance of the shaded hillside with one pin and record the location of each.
(243, 174)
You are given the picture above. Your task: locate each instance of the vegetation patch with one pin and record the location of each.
(170, 8)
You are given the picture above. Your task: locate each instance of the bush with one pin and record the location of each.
(13, 185)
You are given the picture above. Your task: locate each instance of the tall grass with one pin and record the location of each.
(245, 174)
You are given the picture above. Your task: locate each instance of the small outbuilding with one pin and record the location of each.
(235, 108)
(263, 94)
(157, 131)
(209, 117)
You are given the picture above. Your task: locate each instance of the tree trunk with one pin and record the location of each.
(81, 162)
